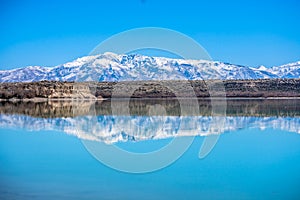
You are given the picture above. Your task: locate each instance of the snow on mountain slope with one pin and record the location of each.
(291, 70)
(114, 67)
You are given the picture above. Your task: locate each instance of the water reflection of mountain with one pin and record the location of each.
(95, 120)
(235, 107)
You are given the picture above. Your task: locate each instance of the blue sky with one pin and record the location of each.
(48, 33)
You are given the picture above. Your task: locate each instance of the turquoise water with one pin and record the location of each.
(250, 162)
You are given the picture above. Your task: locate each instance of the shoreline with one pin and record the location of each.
(147, 98)
(86, 91)
(142, 107)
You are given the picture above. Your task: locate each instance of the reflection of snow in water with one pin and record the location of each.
(111, 129)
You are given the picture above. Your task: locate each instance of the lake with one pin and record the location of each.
(150, 149)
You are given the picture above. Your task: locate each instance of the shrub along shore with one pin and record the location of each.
(260, 88)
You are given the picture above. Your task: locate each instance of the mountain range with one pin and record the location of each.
(121, 67)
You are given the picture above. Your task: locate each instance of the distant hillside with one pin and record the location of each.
(149, 89)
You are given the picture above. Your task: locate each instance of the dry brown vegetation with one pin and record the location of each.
(152, 89)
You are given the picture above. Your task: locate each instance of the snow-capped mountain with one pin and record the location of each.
(114, 67)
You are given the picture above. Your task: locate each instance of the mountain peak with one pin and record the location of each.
(110, 54)
(262, 68)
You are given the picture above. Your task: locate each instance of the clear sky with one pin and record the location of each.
(49, 33)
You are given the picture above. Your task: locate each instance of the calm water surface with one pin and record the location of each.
(43, 156)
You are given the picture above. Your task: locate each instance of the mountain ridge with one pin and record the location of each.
(121, 67)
